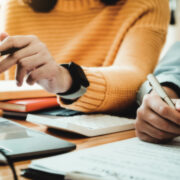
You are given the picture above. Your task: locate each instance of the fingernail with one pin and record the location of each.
(18, 83)
(178, 105)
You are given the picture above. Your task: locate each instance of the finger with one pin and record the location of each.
(25, 52)
(162, 124)
(3, 35)
(177, 104)
(38, 74)
(156, 104)
(16, 42)
(146, 138)
(27, 65)
(6, 63)
(155, 133)
(20, 74)
(11, 60)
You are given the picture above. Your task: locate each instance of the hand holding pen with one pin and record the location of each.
(158, 120)
(33, 61)
(159, 90)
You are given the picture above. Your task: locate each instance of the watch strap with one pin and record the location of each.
(75, 82)
(76, 94)
(79, 82)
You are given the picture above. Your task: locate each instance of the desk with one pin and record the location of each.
(80, 141)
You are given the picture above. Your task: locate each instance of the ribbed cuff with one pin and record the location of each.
(94, 96)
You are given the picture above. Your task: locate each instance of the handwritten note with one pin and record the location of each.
(125, 160)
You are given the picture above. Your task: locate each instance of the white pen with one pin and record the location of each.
(159, 90)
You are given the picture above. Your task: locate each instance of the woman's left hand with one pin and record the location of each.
(34, 61)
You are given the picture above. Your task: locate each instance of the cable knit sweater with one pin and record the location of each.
(117, 45)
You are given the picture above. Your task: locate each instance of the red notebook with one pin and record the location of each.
(29, 105)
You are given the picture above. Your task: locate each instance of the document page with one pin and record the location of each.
(10, 85)
(124, 160)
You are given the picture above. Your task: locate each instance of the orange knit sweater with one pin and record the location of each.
(117, 46)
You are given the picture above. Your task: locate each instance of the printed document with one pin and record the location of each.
(130, 159)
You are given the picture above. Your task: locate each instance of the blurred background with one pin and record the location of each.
(174, 26)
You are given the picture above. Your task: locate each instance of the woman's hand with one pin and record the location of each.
(34, 61)
(156, 121)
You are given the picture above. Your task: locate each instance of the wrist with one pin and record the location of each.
(67, 80)
(79, 82)
(170, 92)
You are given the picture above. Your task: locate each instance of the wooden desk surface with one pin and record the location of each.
(80, 141)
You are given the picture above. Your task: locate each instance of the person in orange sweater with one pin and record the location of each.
(113, 46)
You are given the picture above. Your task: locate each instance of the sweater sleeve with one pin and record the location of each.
(113, 88)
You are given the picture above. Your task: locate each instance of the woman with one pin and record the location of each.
(116, 45)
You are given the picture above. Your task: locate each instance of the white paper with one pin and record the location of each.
(10, 86)
(124, 160)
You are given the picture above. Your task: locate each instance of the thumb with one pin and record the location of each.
(177, 104)
(3, 35)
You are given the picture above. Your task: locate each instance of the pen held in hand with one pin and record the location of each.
(159, 90)
(9, 51)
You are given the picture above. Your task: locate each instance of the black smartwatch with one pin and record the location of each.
(79, 82)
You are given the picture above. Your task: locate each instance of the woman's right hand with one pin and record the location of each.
(156, 121)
